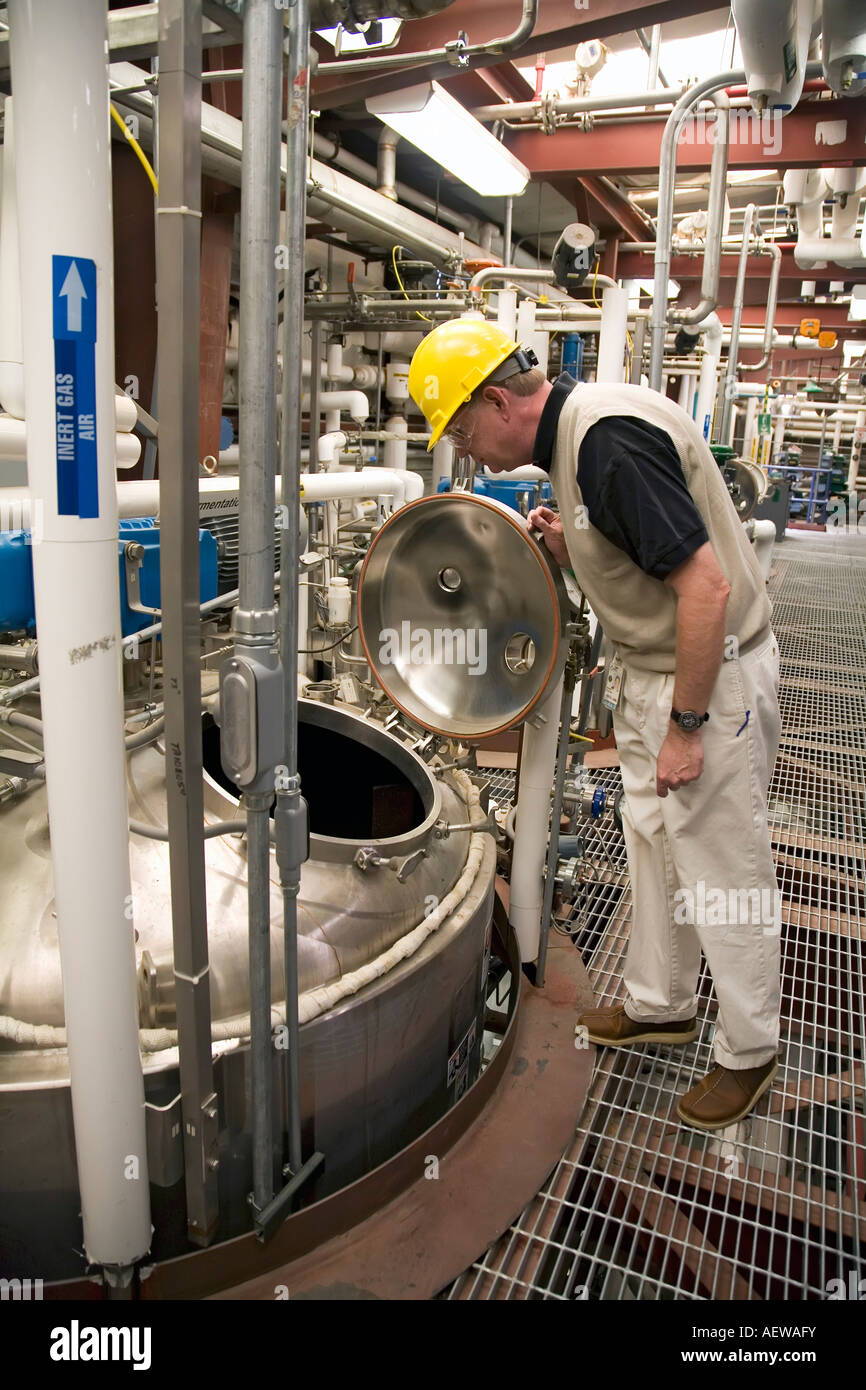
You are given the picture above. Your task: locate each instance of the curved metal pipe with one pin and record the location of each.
(664, 225)
(772, 295)
(715, 217)
(457, 50)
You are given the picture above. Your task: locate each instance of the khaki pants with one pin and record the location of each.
(700, 861)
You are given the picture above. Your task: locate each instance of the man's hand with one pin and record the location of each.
(680, 760)
(550, 526)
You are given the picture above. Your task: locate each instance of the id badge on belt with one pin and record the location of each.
(613, 684)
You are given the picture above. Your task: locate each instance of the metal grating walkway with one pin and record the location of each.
(641, 1207)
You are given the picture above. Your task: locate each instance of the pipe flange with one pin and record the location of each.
(548, 112)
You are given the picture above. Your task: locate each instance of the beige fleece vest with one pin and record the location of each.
(638, 612)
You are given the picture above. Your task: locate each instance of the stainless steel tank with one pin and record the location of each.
(378, 1065)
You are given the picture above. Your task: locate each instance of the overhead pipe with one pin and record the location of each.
(664, 223)
(331, 152)
(58, 62)
(458, 51)
(573, 106)
(331, 194)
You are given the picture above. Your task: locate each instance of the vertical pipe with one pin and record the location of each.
(178, 253)
(507, 233)
(537, 764)
(59, 69)
(655, 47)
(254, 621)
(736, 320)
(687, 391)
(856, 446)
(555, 813)
(611, 340)
(291, 815)
(506, 311)
(637, 350)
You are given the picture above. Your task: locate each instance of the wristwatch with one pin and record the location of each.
(688, 720)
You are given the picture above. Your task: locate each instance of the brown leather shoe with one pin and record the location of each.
(725, 1096)
(612, 1027)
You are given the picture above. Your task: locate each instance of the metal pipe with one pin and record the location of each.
(509, 272)
(507, 230)
(387, 163)
(254, 619)
(331, 152)
(772, 296)
(730, 379)
(459, 49)
(653, 50)
(178, 269)
(290, 818)
(572, 106)
(664, 223)
(715, 218)
(556, 812)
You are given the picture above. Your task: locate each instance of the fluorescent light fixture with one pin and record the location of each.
(430, 118)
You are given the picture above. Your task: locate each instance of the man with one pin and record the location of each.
(651, 534)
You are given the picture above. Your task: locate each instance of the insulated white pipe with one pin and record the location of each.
(354, 403)
(13, 442)
(611, 341)
(328, 448)
(537, 768)
(687, 392)
(396, 449)
(59, 71)
(443, 462)
(11, 351)
(141, 496)
(506, 311)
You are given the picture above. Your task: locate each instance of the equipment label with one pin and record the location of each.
(74, 331)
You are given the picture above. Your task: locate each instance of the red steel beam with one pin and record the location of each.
(798, 140)
(624, 213)
(638, 265)
(560, 24)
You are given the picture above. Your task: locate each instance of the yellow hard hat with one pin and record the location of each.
(452, 362)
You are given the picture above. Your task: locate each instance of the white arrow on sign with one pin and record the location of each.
(73, 288)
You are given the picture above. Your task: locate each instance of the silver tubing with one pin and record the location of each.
(254, 620)
(291, 808)
(730, 377)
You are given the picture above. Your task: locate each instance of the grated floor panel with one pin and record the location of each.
(641, 1207)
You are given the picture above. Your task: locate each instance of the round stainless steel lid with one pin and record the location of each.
(462, 614)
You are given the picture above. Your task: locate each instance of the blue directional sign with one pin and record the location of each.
(74, 331)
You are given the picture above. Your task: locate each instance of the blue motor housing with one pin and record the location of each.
(511, 491)
(17, 603)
